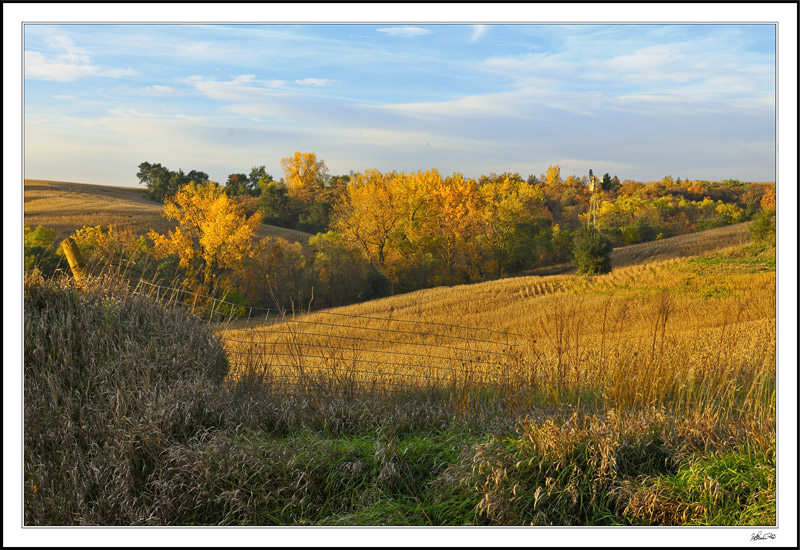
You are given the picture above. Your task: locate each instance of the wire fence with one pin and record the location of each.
(324, 352)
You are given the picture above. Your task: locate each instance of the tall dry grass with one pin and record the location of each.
(694, 334)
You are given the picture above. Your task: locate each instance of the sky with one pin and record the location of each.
(639, 101)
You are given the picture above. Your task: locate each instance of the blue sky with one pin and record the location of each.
(639, 101)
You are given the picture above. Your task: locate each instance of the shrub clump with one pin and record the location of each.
(763, 227)
(591, 252)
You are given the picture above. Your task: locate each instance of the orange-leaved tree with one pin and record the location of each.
(213, 235)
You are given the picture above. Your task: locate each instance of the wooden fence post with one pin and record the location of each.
(74, 257)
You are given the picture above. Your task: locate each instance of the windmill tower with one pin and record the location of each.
(593, 200)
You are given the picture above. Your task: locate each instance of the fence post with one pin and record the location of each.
(74, 257)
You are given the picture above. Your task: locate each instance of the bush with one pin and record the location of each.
(763, 227)
(40, 251)
(591, 252)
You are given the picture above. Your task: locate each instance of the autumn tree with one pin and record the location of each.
(768, 201)
(368, 215)
(213, 236)
(275, 273)
(342, 271)
(305, 175)
(455, 217)
(553, 176)
(517, 224)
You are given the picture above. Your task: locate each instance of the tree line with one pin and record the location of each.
(379, 233)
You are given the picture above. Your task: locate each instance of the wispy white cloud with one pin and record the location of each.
(477, 32)
(494, 104)
(316, 82)
(404, 32)
(69, 64)
(157, 90)
(240, 88)
(627, 101)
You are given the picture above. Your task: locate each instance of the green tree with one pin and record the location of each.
(156, 178)
(162, 182)
(318, 217)
(591, 252)
(197, 176)
(341, 269)
(237, 184)
(257, 173)
(605, 183)
(277, 206)
(763, 227)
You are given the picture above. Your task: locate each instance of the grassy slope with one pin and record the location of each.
(66, 206)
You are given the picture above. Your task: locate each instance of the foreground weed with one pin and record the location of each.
(724, 489)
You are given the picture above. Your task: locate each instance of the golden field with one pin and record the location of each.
(696, 334)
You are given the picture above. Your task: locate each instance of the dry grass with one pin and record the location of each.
(66, 207)
(698, 334)
(691, 244)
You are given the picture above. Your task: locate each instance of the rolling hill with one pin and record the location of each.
(68, 206)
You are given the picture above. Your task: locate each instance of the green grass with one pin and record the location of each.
(733, 488)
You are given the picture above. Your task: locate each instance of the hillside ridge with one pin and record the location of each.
(68, 206)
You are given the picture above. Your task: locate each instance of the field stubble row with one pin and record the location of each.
(639, 336)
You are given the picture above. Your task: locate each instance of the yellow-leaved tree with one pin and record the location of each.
(455, 219)
(514, 216)
(553, 176)
(305, 175)
(213, 236)
(368, 216)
